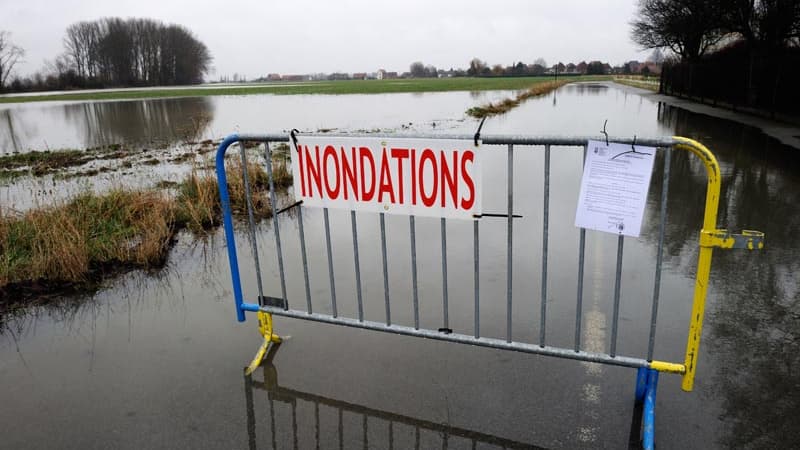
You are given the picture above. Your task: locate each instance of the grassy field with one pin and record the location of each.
(310, 87)
(649, 83)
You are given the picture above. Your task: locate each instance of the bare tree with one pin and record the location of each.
(687, 27)
(765, 24)
(10, 56)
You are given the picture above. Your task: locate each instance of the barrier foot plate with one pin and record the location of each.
(262, 350)
(265, 327)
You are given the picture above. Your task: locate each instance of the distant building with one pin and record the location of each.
(634, 66)
(293, 78)
(652, 67)
(360, 76)
(384, 75)
(274, 77)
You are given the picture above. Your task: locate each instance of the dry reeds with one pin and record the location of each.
(493, 109)
(70, 242)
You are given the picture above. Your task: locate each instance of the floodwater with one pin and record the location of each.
(155, 360)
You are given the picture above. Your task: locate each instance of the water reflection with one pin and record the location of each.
(586, 88)
(375, 428)
(163, 121)
(157, 122)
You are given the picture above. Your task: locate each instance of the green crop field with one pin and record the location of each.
(307, 87)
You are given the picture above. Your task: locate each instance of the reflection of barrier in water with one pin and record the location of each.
(648, 367)
(395, 437)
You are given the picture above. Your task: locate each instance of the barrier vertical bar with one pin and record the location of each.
(305, 258)
(385, 270)
(545, 232)
(617, 281)
(251, 221)
(510, 242)
(581, 263)
(330, 260)
(357, 266)
(275, 225)
(661, 229)
(413, 236)
(445, 309)
(476, 277)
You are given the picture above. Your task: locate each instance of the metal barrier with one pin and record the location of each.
(648, 368)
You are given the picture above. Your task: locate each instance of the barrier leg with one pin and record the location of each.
(641, 384)
(649, 426)
(265, 327)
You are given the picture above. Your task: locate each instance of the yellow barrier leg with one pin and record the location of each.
(265, 327)
(696, 321)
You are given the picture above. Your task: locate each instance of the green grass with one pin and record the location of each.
(650, 83)
(312, 87)
(44, 160)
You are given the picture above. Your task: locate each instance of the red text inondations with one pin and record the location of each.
(436, 176)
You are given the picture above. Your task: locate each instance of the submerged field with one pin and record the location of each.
(307, 87)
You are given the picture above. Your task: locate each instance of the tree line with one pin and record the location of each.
(693, 28)
(114, 52)
(479, 68)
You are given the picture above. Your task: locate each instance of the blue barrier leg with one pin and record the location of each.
(227, 223)
(641, 384)
(649, 427)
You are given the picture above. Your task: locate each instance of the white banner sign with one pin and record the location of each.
(616, 178)
(423, 177)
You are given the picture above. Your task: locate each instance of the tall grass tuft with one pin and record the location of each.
(67, 242)
(76, 240)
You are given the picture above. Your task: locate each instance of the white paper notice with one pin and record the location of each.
(614, 188)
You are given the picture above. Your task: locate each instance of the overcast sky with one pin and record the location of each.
(305, 36)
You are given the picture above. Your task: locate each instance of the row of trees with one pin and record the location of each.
(130, 52)
(741, 53)
(539, 67)
(114, 52)
(690, 28)
(479, 68)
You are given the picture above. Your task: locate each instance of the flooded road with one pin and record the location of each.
(155, 360)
